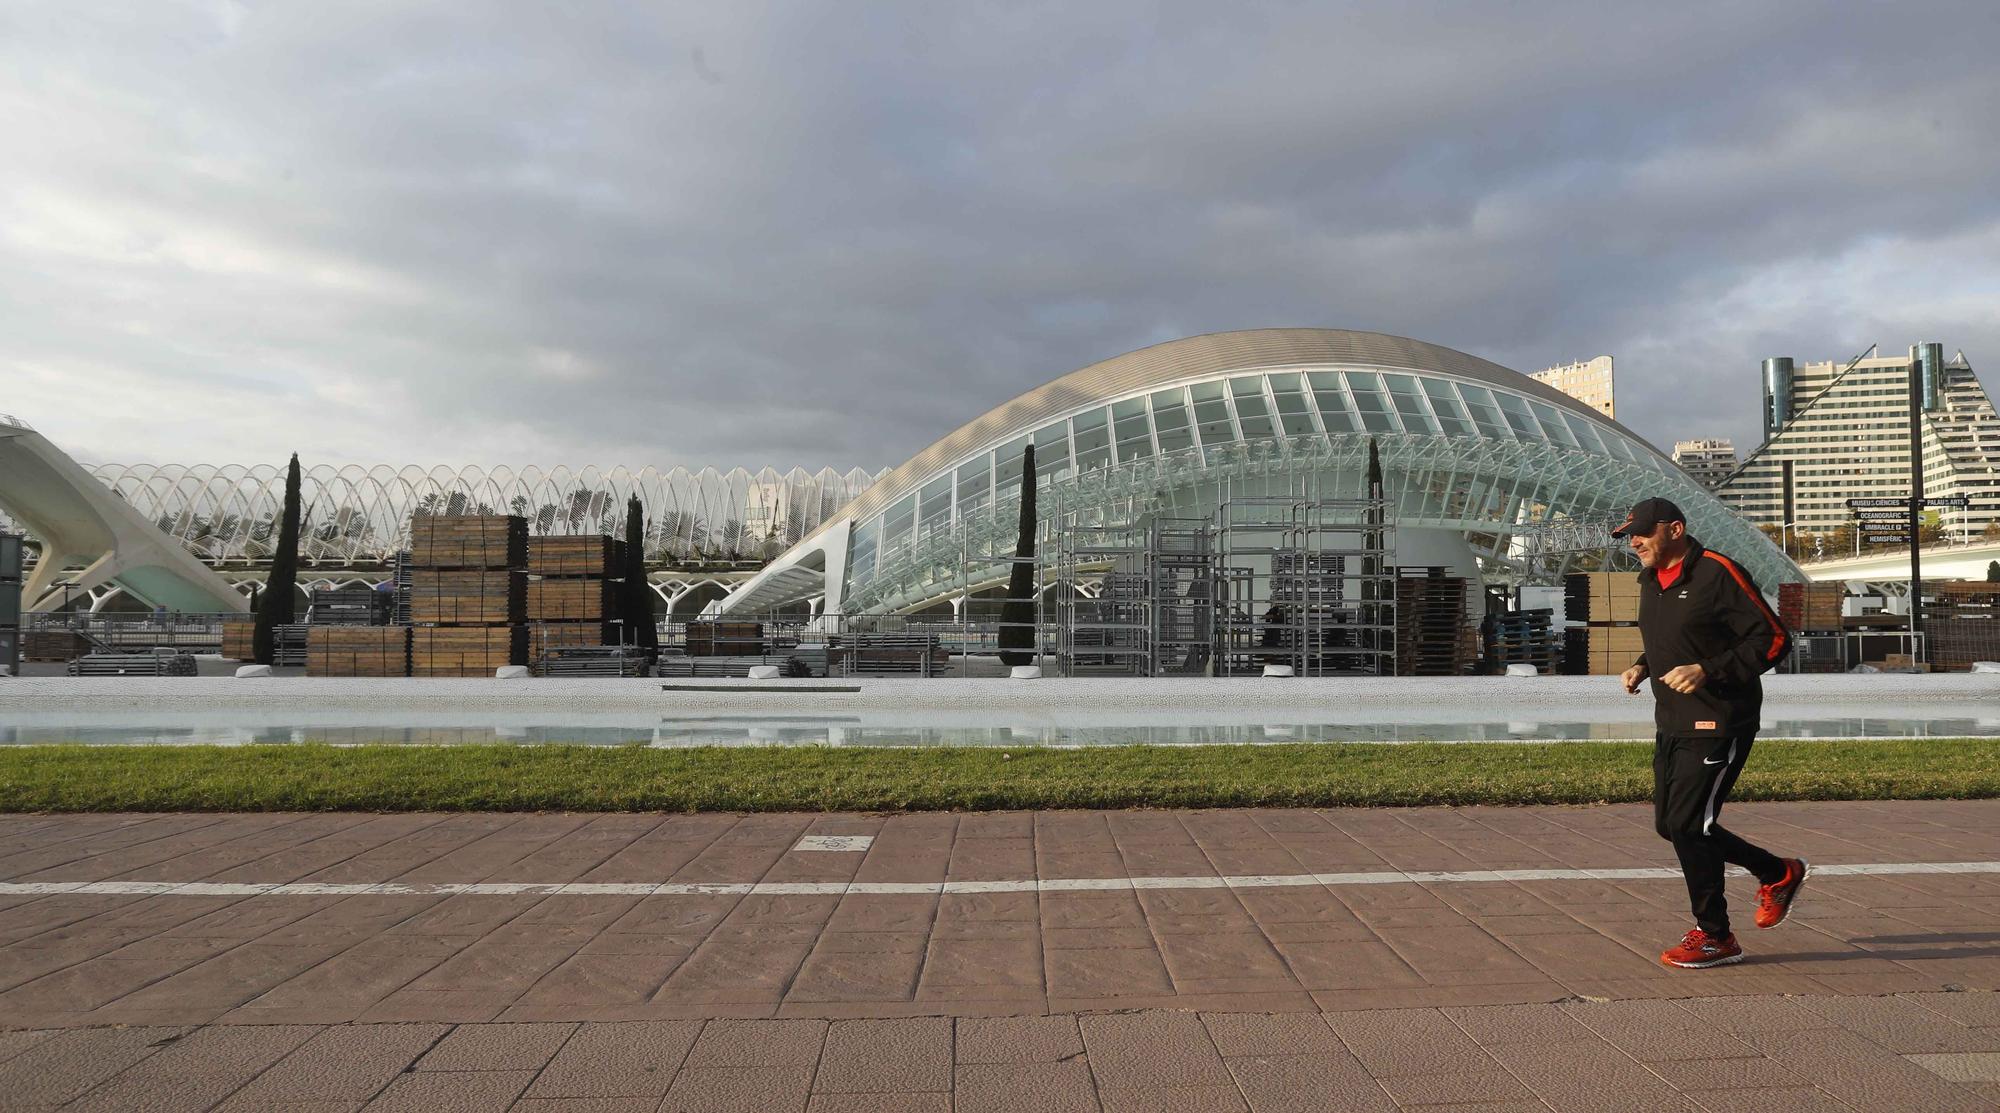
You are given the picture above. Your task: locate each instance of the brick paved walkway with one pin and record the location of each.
(1011, 961)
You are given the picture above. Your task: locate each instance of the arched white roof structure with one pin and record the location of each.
(1467, 446)
(78, 521)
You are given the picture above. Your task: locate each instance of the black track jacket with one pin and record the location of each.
(1712, 616)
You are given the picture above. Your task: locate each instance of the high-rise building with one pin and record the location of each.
(1588, 381)
(1835, 431)
(1709, 460)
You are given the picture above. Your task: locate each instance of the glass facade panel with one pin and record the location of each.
(975, 487)
(1334, 410)
(1093, 440)
(861, 551)
(1211, 413)
(1479, 402)
(1051, 453)
(1135, 436)
(1170, 418)
(1410, 408)
(896, 526)
(1007, 468)
(1252, 412)
(1515, 409)
(934, 506)
(1552, 426)
(1372, 403)
(1294, 412)
(1584, 434)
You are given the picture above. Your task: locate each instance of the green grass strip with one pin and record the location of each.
(76, 778)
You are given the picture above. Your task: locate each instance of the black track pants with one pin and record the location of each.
(1691, 779)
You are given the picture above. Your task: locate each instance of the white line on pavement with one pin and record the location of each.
(843, 888)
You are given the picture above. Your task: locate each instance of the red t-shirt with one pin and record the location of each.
(1669, 575)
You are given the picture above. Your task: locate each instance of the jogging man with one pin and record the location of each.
(1707, 634)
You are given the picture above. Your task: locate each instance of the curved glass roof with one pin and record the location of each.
(1471, 444)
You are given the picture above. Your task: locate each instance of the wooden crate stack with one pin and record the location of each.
(468, 593)
(1528, 638)
(573, 591)
(358, 651)
(1430, 624)
(721, 638)
(1811, 608)
(1963, 625)
(1607, 605)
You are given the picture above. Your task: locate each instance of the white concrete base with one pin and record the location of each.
(511, 672)
(1025, 672)
(1280, 670)
(1986, 666)
(764, 672)
(1523, 670)
(248, 672)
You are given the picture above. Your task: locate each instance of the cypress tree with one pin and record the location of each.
(1018, 640)
(275, 606)
(1993, 571)
(638, 609)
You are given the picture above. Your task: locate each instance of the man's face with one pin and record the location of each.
(1660, 545)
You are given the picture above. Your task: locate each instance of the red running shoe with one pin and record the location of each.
(1698, 950)
(1774, 901)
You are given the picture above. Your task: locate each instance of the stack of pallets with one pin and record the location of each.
(1607, 606)
(1527, 638)
(1811, 608)
(1963, 624)
(573, 591)
(468, 593)
(351, 606)
(725, 639)
(288, 642)
(55, 645)
(358, 651)
(161, 663)
(1430, 624)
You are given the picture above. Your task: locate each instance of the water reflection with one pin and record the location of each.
(870, 729)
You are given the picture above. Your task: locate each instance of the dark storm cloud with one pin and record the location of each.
(827, 235)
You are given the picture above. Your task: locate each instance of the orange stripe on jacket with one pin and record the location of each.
(1777, 628)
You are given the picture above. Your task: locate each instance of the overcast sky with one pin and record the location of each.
(747, 234)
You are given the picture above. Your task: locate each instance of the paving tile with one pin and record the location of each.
(1899, 1025)
(957, 964)
(886, 1056)
(1458, 1088)
(193, 1072)
(1765, 1101)
(1171, 1099)
(578, 1105)
(1975, 1009)
(1656, 1031)
(1307, 1084)
(1064, 1087)
(840, 975)
(451, 1092)
(878, 1103)
(739, 1090)
(343, 1063)
(1152, 1049)
(1502, 1025)
(1346, 965)
(884, 912)
(478, 1047)
(1091, 911)
(1018, 1039)
(1977, 1066)
(734, 972)
(603, 979)
(759, 1043)
(635, 1059)
(1112, 973)
(1863, 1073)
(1393, 1043)
(1236, 1035)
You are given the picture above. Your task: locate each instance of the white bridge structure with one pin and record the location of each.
(80, 522)
(1889, 569)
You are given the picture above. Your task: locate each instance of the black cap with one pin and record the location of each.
(1647, 513)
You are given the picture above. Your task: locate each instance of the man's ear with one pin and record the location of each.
(1677, 530)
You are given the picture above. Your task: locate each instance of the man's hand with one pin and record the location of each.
(1685, 679)
(1632, 677)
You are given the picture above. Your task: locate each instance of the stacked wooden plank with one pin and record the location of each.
(468, 597)
(466, 650)
(1811, 608)
(468, 593)
(1963, 625)
(573, 591)
(351, 606)
(1606, 605)
(1430, 624)
(54, 645)
(722, 638)
(358, 651)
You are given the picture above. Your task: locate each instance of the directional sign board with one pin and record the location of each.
(1885, 538)
(1959, 501)
(1870, 504)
